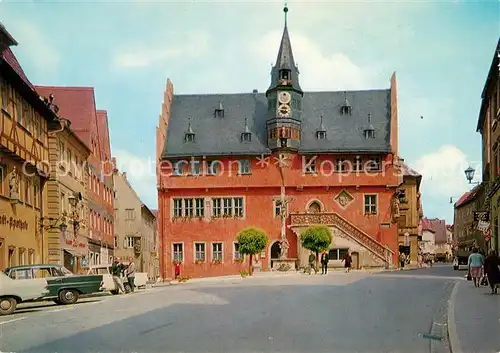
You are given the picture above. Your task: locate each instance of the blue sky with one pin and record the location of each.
(441, 52)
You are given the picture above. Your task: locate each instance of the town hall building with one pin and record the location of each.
(282, 161)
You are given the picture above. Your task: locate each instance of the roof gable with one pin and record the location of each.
(9, 57)
(221, 136)
(103, 131)
(77, 104)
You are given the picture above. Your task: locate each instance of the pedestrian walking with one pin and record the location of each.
(116, 271)
(131, 274)
(401, 261)
(347, 262)
(324, 262)
(475, 264)
(177, 269)
(312, 265)
(492, 270)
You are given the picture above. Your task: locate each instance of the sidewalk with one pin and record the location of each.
(270, 274)
(474, 317)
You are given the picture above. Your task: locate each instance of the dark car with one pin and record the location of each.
(64, 287)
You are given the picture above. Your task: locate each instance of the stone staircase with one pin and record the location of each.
(333, 219)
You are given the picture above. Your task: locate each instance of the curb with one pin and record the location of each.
(452, 327)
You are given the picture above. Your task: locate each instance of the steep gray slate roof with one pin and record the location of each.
(222, 136)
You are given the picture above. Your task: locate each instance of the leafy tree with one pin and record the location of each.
(316, 238)
(251, 241)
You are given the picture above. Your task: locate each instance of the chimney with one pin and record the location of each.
(255, 91)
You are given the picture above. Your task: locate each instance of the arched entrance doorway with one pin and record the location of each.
(314, 207)
(275, 252)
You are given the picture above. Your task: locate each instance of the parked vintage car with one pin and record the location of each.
(141, 278)
(64, 287)
(15, 292)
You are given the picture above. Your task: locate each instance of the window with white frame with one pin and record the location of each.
(178, 168)
(200, 207)
(217, 207)
(370, 204)
(128, 242)
(194, 167)
(199, 249)
(277, 207)
(238, 206)
(178, 252)
(177, 207)
(236, 251)
(216, 251)
(244, 166)
(188, 208)
(130, 213)
(228, 206)
(212, 167)
(310, 164)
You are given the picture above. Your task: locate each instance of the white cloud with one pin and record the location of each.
(192, 44)
(317, 70)
(443, 173)
(141, 174)
(43, 56)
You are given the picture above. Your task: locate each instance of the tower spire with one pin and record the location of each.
(285, 10)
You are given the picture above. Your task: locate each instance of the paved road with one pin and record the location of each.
(357, 312)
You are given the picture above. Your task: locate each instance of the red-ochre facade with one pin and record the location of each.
(360, 206)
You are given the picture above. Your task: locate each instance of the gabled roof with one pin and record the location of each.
(221, 136)
(439, 226)
(146, 208)
(77, 104)
(469, 196)
(491, 73)
(411, 173)
(103, 131)
(427, 225)
(9, 57)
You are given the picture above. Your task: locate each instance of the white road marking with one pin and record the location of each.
(63, 309)
(13, 320)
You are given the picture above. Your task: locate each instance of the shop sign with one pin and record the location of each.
(13, 223)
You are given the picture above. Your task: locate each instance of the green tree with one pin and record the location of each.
(316, 238)
(251, 241)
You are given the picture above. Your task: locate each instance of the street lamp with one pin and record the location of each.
(469, 174)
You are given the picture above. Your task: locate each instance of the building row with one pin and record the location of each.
(477, 212)
(283, 160)
(58, 199)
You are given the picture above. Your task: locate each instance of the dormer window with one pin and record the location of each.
(370, 130)
(346, 108)
(189, 136)
(219, 111)
(246, 135)
(369, 134)
(321, 135)
(321, 132)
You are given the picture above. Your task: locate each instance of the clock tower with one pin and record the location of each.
(284, 97)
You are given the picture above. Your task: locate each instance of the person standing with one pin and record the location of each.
(475, 264)
(116, 271)
(312, 265)
(492, 270)
(347, 262)
(131, 274)
(324, 262)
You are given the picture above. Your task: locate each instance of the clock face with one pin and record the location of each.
(284, 110)
(284, 97)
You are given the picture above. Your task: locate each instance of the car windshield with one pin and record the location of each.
(65, 271)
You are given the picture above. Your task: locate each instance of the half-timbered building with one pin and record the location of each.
(25, 121)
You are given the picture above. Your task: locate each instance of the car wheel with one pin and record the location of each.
(114, 291)
(68, 296)
(127, 287)
(7, 305)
